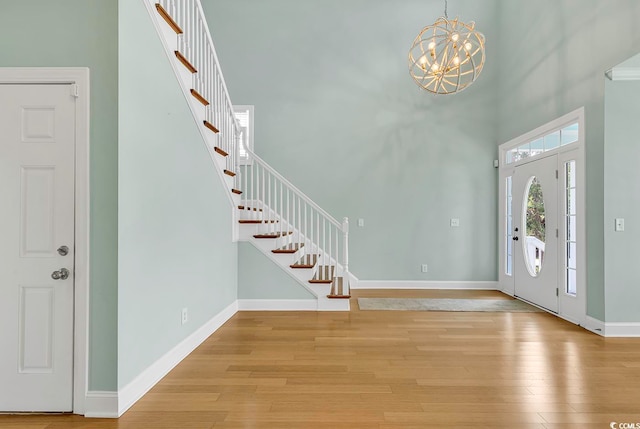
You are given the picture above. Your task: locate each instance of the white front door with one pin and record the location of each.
(37, 155)
(535, 234)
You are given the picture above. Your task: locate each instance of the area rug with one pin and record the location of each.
(433, 304)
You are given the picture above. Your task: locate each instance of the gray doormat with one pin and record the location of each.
(433, 304)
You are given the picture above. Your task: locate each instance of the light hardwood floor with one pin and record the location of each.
(383, 370)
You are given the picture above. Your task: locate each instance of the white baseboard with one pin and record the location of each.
(612, 329)
(277, 305)
(132, 392)
(419, 284)
(621, 329)
(101, 404)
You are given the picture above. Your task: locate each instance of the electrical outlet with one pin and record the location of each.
(425, 268)
(185, 315)
(455, 223)
(361, 222)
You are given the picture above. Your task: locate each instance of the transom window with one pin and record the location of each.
(542, 144)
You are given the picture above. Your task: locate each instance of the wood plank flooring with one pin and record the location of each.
(384, 370)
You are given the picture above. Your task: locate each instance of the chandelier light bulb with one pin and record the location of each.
(434, 58)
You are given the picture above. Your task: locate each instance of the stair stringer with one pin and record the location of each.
(184, 77)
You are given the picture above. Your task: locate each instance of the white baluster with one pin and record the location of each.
(345, 275)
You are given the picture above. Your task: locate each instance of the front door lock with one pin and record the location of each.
(63, 250)
(61, 274)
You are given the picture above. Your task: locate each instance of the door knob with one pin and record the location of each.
(61, 274)
(63, 250)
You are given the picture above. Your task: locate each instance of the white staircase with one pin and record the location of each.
(269, 211)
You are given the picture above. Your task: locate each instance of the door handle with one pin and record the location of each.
(515, 238)
(63, 250)
(61, 274)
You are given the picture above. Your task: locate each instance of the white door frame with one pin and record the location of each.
(506, 282)
(78, 76)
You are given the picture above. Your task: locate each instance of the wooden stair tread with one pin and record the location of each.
(229, 173)
(211, 127)
(337, 289)
(199, 97)
(220, 151)
(185, 62)
(273, 234)
(324, 274)
(289, 248)
(236, 191)
(307, 261)
(168, 19)
(249, 208)
(256, 221)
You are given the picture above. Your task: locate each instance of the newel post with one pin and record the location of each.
(345, 276)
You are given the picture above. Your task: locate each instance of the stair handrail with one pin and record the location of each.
(291, 186)
(217, 62)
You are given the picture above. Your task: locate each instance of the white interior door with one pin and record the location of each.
(37, 151)
(535, 234)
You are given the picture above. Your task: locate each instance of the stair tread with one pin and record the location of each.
(273, 234)
(236, 191)
(229, 173)
(211, 126)
(337, 289)
(169, 20)
(199, 97)
(220, 151)
(257, 221)
(323, 275)
(249, 208)
(307, 261)
(185, 62)
(289, 248)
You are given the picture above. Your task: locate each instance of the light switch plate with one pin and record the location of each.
(455, 223)
(619, 224)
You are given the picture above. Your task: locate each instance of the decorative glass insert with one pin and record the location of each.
(534, 219)
(570, 228)
(542, 144)
(508, 226)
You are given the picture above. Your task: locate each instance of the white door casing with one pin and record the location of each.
(535, 260)
(44, 138)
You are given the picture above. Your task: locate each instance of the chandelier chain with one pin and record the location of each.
(446, 15)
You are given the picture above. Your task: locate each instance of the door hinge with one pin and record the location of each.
(556, 174)
(557, 233)
(75, 91)
(557, 292)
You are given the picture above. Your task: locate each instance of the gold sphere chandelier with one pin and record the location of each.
(447, 56)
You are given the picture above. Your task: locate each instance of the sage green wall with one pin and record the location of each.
(622, 200)
(337, 113)
(260, 278)
(552, 63)
(175, 246)
(82, 33)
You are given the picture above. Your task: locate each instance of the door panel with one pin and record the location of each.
(37, 155)
(535, 222)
